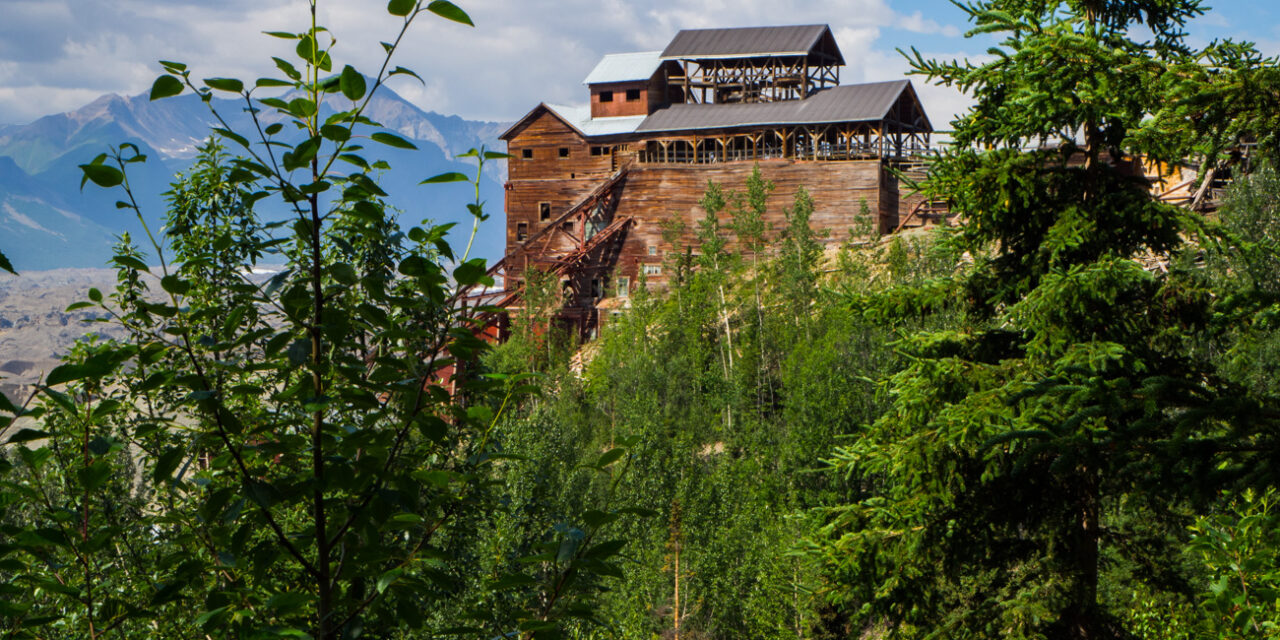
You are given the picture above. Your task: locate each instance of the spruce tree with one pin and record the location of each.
(1037, 460)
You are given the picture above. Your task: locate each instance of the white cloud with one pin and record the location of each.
(521, 52)
(917, 23)
(58, 54)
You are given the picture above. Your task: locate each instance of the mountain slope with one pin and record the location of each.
(41, 209)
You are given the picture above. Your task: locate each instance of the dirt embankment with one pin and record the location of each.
(35, 327)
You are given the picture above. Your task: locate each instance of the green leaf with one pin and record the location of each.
(210, 618)
(352, 83)
(130, 262)
(401, 7)
(95, 295)
(288, 68)
(102, 175)
(605, 549)
(452, 176)
(95, 475)
(165, 86)
(262, 493)
(166, 464)
(27, 435)
(225, 84)
(469, 272)
(343, 273)
(511, 581)
(401, 71)
(7, 406)
(450, 11)
(334, 132)
(609, 457)
(392, 140)
(273, 128)
(385, 580)
(6, 265)
(272, 82)
(70, 372)
(284, 35)
(306, 48)
(302, 107)
(175, 285)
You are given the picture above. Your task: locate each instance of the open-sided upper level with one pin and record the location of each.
(716, 95)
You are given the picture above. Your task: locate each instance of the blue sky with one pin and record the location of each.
(56, 55)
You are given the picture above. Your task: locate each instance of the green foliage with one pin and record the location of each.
(1034, 471)
(1240, 548)
(301, 455)
(724, 453)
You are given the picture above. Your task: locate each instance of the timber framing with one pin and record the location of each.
(591, 189)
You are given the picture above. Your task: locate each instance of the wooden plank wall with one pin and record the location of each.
(620, 106)
(653, 194)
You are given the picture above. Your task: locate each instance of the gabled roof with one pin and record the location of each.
(753, 41)
(579, 119)
(625, 67)
(849, 103)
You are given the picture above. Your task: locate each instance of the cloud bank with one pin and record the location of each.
(56, 55)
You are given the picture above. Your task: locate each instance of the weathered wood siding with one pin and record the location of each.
(546, 176)
(619, 105)
(654, 194)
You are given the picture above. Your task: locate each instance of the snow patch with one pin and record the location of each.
(26, 221)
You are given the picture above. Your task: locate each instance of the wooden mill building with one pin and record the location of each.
(589, 187)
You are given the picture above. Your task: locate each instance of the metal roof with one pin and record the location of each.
(740, 42)
(625, 67)
(849, 103)
(579, 117)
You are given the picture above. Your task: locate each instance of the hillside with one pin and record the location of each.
(46, 222)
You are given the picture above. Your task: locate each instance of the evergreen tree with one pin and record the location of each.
(1041, 455)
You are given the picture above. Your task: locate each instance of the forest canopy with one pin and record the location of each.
(1054, 419)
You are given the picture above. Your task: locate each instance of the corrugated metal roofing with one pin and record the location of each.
(625, 67)
(849, 103)
(579, 117)
(745, 41)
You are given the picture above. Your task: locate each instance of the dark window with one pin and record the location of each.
(564, 152)
(522, 231)
(633, 95)
(599, 151)
(595, 287)
(606, 96)
(527, 154)
(544, 211)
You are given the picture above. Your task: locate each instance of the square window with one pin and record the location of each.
(544, 211)
(564, 152)
(522, 231)
(606, 96)
(653, 251)
(653, 269)
(633, 95)
(527, 154)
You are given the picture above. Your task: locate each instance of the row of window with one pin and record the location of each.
(632, 95)
(563, 152)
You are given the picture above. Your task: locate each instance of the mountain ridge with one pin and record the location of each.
(42, 212)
